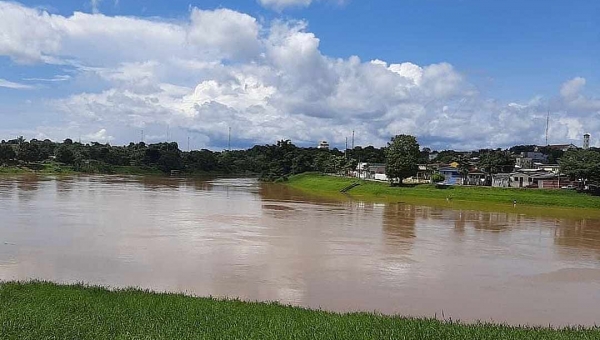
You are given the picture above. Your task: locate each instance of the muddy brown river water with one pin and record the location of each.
(239, 238)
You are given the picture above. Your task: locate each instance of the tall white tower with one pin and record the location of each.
(586, 141)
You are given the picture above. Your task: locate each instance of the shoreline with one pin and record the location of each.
(37, 309)
(555, 203)
(56, 170)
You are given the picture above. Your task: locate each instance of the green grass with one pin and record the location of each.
(44, 168)
(39, 310)
(484, 198)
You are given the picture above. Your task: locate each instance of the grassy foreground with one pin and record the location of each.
(39, 310)
(472, 197)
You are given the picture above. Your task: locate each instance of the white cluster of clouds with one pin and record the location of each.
(221, 68)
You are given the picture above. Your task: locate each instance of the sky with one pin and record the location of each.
(458, 74)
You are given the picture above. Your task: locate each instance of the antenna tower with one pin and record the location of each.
(229, 140)
(346, 150)
(547, 125)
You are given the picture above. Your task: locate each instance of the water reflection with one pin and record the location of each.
(399, 221)
(237, 237)
(581, 234)
(27, 187)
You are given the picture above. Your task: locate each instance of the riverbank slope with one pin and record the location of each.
(483, 198)
(38, 310)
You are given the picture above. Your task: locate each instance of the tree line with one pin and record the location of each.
(277, 161)
(270, 162)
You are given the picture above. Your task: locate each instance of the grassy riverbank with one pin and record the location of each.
(52, 168)
(47, 311)
(474, 197)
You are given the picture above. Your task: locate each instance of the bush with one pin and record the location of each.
(437, 178)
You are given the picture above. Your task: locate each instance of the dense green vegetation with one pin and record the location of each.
(583, 164)
(475, 196)
(270, 162)
(38, 310)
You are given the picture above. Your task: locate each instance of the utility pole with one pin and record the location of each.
(346, 150)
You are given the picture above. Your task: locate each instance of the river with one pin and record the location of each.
(240, 238)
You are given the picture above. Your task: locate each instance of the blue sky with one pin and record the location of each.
(476, 73)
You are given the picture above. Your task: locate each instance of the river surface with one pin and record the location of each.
(239, 238)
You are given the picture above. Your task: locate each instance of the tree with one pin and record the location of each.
(463, 167)
(30, 152)
(64, 154)
(581, 164)
(495, 161)
(6, 153)
(402, 156)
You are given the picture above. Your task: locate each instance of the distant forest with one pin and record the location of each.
(270, 162)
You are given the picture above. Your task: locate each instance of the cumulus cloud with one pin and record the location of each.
(16, 86)
(571, 88)
(99, 136)
(574, 99)
(280, 5)
(267, 81)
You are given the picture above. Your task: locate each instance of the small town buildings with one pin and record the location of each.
(524, 178)
(501, 180)
(528, 160)
(561, 147)
(451, 175)
(474, 178)
(323, 145)
(370, 171)
(554, 168)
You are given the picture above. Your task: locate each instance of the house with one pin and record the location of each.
(554, 168)
(474, 178)
(556, 181)
(377, 171)
(562, 147)
(523, 163)
(451, 175)
(501, 180)
(527, 160)
(423, 175)
(538, 178)
(323, 145)
(370, 171)
(523, 178)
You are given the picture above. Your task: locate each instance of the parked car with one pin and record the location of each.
(568, 187)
